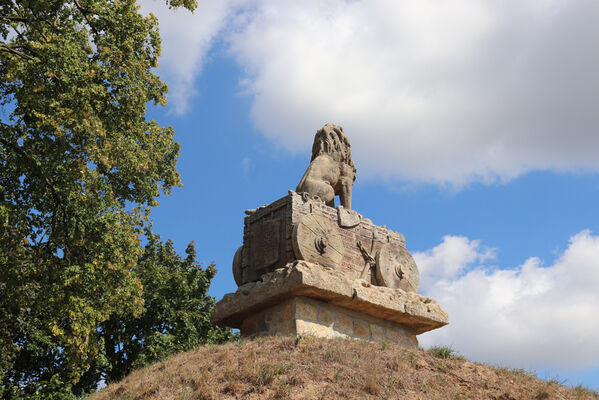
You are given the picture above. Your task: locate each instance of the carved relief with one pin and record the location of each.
(396, 268)
(315, 239)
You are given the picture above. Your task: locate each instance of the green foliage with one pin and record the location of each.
(443, 352)
(80, 167)
(176, 314)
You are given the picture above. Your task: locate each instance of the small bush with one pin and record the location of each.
(556, 380)
(582, 391)
(442, 352)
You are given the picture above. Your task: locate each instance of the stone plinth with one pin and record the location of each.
(304, 298)
(303, 316)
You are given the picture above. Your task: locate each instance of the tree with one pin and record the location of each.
(80, 168)
(176, 314)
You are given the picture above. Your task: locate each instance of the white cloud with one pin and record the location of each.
(427, 90)
(450, 258)
(530, 316)
(186, 39)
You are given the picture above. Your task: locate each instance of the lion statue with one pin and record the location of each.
(331, 171)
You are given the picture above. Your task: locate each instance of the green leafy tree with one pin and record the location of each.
(176, 314)
(80, 167)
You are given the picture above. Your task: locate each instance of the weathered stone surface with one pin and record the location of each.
(315, 239)
(331, 171)
(396, 268)
(361, 330)
(396, 336)
(325, 317)
(264, 242)
(290, 210)
(303, 318)
(378, 333)
(413, 311)
(237, 266)
(277, 320)
(304, 310)
(343, 324)
(347, 218)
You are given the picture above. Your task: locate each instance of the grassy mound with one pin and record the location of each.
(308, 368)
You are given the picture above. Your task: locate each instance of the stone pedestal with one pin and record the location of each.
(303, 316)
(309, 269)
(305, 298)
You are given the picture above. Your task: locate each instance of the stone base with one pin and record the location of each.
(302, 316)
(309, 299)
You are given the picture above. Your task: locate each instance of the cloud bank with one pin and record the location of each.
(530, 316)
(186, 40)
(448, 92)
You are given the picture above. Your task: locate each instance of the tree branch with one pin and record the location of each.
(12, 18)
(12, 50)
(85, 12)
(23, 38)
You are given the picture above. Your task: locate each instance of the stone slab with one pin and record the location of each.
(415, 312)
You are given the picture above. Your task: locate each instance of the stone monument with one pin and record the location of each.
(307, 268)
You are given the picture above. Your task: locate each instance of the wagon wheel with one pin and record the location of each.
(395, 268)
(237, 266)
(315, 239)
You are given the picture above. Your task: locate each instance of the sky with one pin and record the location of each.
(474, 130)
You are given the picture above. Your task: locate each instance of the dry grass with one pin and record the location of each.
(285, 368)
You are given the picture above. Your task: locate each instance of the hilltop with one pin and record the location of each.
(309, 368)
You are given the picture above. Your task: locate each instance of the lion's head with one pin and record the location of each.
(331, 140)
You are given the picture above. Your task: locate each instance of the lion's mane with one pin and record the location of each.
(331, 140)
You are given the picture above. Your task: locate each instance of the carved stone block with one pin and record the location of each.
(300, 227)
(264, 243)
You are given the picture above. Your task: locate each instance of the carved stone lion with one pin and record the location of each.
(331, 171)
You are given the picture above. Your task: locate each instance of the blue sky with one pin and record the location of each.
(474, 133)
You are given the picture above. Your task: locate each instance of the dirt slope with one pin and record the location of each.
(280, 368)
